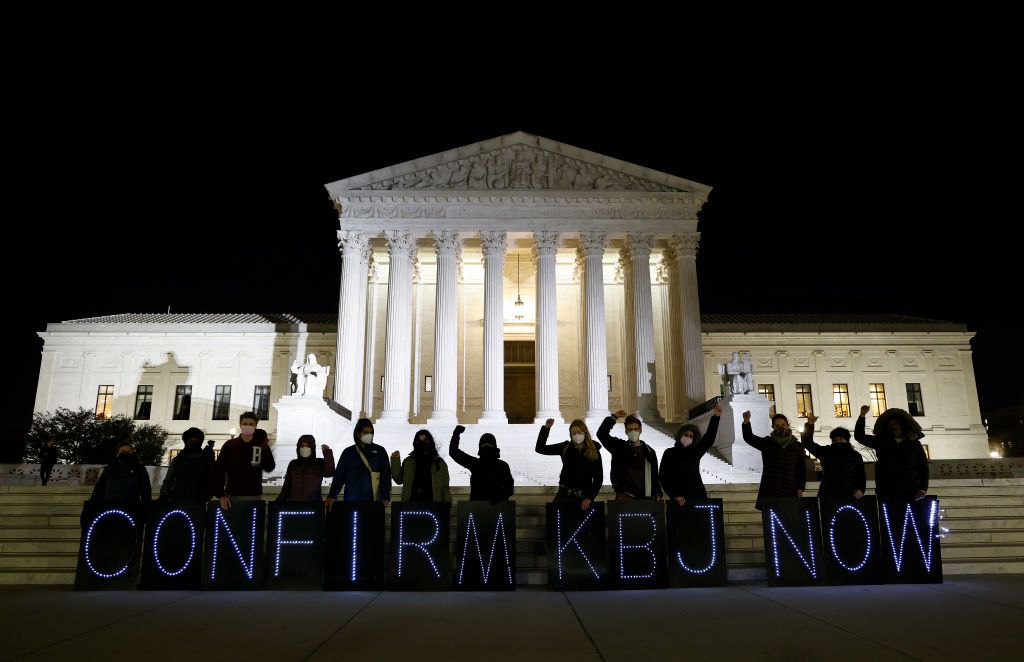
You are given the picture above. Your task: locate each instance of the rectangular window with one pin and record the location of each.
(428, 383)
(104, 400)
(877, 394)
(915, 402)
(261, 402)
(804, 402)
(841, 400)
(182, 403)
(768, 391)
(222, 403)
(382, 383)
(143, 402)
(609, 383)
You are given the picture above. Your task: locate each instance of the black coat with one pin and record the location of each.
(902, 468)
(578, 472)
(123, 483)
(680, 466)
(188, 477)
(490, 478)
(618, 448)
(842, 467)
(783, 470)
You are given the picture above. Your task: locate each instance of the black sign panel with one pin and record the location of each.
(636, 544)
(295, 546)
(172, 556)
(108, 555)
(792, 542)
(696, 543)
(576, 547)
(486, 548)
(420, 559)
(910, 541)
(355, 546)
(233, 558)
(850, 530)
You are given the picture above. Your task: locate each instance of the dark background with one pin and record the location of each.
(178, 159)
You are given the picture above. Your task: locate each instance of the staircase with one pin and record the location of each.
(39, 530)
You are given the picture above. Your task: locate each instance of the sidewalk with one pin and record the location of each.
(967, 618)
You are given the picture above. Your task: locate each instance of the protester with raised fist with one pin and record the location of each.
(783, 469)
(842, 467)
(582, 472)
(901, 472)
(490, 478)
(305, 476)
(423, 475)
(680, 465)
(634, 464)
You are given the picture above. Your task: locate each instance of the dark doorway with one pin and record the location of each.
(520, 381)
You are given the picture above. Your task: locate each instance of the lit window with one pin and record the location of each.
(841, 400)
(768, 391)
(804, 402)
(877, 394)
(104, 400)
(428, 383)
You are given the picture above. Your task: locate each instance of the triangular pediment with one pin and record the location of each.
(518, 161)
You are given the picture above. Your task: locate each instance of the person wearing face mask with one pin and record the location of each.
(188, 477)
(363, 469)
(423, 475)
(783, 469)
(490, 478)
(303, 481)
(842, 467)
(582, 472)
(901, 472)
(124, 480)
(680, 465)
(242, 461)
(634, 464)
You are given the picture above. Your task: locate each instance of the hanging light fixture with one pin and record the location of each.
(519, 299)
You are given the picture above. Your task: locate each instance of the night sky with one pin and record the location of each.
(862, 162)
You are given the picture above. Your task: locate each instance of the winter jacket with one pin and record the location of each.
(304, 479)
(902, 467)
(578, 473)
(783, 470)
(124, 483)
(680, 465)
(842, 467)
(235, 461)
(353, 475)
(490, 478)
(405, 473)
(48, 457)
(619, 449)
(188, 477)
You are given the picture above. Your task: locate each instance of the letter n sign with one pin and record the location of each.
(696, 543)
(636, 544)
(486, 546)
(172, 554)
(910, 541)
(419, 546)
(792, 542)
(576, 547)
(295, 546)
(108, 555)
(850, 530)
(355, 546)
(234, 546)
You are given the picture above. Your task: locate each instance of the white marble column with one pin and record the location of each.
(685, 247)
(493, 245)
(638, 245)
(627, 329)
(592, 245)
(398, 345)
(672, 372)
(354, 247)
(447, 246)
(545, 246)
(370, 334)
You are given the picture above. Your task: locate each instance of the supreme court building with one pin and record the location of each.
(497, 285)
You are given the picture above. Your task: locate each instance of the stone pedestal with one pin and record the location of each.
(297, 416)
(730, 430)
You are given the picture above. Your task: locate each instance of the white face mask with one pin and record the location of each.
(685, 441)
(578, 439)
(305, 451)
(367, 438)
(633, 435)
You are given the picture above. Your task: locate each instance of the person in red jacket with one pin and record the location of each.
(305, 476)
(242, 461)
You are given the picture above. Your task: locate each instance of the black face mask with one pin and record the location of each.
(489, 452)
(124, 458)
(193, 448)
(422, 447)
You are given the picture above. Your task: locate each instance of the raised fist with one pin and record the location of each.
(811, 418)
(325, 447)
(746, 417)
(396, 454)
(621, 414)
(548, 423)
(459, 429)
(718, 412)
(864, 410)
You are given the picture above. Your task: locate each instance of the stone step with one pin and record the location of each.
(983, 566)
(39, 546)
(39, 560)
(21, 576)
(21, 533)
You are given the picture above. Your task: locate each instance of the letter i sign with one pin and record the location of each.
(257, 455)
